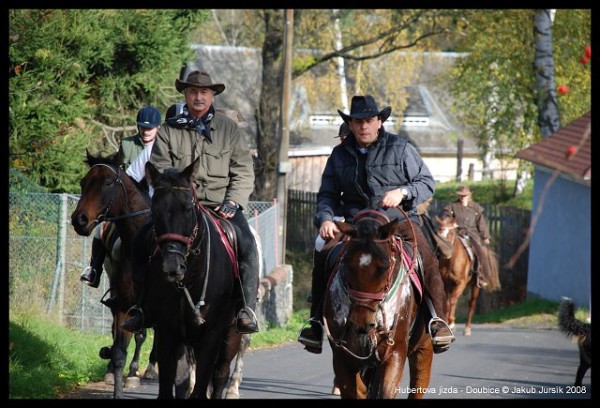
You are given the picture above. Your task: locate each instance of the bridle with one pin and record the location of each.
(374, 302)
(118, 182)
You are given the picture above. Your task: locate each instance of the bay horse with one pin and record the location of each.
(372, 312)
(190, 294)
(457, 272)
(109, 195)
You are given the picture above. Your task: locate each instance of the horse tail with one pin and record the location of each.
(493, 268)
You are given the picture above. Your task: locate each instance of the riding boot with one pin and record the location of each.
(134, 319)
(440, 332)
(312, 335)
(246, 322)
(92, 278)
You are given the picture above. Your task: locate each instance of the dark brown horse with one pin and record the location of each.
(457, 272)
(109, 194)
(372, 313)
(190, 287)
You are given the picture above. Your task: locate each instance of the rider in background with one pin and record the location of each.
(472, 224)
(372, 168)
(148, 122)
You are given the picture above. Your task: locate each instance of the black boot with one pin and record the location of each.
(92, 278)
(246, 322)
(312, 336)
(135, 322)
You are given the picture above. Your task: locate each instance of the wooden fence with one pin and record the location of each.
(508, 229)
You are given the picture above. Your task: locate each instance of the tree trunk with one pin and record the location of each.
(268, 113)
(548, 114)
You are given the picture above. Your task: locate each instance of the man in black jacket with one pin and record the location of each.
(374, 168)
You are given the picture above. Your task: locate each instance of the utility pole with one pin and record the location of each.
(284, 163)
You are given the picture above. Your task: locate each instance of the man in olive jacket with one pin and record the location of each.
(225, 177)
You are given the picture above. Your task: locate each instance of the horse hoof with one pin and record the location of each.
(150, 374)
(467, 331)
(231, 394)
(132, 382)
(105, 353)
(335, 390)
(109, 378)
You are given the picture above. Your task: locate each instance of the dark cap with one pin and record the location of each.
(344, 130)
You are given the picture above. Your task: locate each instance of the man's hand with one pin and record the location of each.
(227, 209)
(328, 230)
(392, 198)
(486, 241)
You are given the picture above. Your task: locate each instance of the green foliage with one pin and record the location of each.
(494, 86)
(73, 73)
(47, 360)
(497, 192)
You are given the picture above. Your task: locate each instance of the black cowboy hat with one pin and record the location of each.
(199, 79)
(364, 106)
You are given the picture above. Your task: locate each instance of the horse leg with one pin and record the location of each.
(151, 373)
(384, 382)
(230, 347)
(119, 356)
(348, 378)
(472, 302)
(132, 379)
(233, 391)
(419, 363)
(183, 373)
(167, 353)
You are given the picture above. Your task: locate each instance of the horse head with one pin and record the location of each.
(368, 265)
(446, 228)
(98, 192)
(175, 218)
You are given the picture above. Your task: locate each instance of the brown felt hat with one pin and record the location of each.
(199, 79)
(463, 191)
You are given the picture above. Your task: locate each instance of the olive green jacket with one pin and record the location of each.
(470, 217)
(131, 147)
(226, 170)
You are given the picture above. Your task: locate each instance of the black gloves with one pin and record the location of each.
(227, 208)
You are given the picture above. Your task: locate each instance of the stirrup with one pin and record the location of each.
(246, 313)
(441, 341)
(85, 277)
(134, 312)
(312, 345)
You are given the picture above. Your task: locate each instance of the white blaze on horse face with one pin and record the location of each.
(365, 260)
(444, 232)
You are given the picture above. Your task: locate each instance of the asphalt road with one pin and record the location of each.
(496, 362)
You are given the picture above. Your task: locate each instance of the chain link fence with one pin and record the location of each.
(47, 256)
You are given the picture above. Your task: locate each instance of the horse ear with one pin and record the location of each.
(346, 228)
(387, 230)
(151, 173)
(191, 169)
(89, 157)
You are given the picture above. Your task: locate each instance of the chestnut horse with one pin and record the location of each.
(371, 312)
(457, 272)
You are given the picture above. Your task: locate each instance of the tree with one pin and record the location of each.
(495, 85)
(75, 73)
(368, 35)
